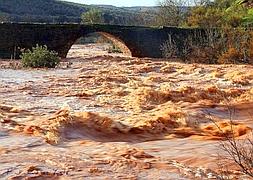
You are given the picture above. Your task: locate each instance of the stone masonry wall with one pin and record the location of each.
(141, 41)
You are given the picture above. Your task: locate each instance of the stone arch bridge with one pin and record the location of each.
(133, 40)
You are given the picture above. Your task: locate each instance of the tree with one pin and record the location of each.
(220, 13)
(93, 16)
(172, 13)
(203, 16)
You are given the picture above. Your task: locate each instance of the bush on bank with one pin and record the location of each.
(39, 57)
(221, 46)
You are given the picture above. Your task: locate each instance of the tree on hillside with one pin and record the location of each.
(172, 13)
(220, 13)
(205, 13)
(93, 16)
(205, 16)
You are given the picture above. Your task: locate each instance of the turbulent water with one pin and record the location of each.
(108, 116)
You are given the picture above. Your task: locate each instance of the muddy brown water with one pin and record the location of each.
(101, 116)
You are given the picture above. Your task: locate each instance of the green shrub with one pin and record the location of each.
(39, 57)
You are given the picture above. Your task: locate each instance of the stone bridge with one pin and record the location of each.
(133, 40)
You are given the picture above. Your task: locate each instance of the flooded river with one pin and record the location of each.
(108, 116)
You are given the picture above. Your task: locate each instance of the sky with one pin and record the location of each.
(118, 2)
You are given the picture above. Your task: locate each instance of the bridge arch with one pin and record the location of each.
(119, 43)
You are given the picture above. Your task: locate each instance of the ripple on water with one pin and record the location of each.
(22, 76)
(149, 104)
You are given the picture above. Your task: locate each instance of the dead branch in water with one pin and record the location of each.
(239, 151)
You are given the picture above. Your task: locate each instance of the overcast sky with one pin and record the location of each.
(119, 2)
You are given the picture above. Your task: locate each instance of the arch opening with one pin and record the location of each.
(96, 44)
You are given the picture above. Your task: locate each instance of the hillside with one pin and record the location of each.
(55, 11)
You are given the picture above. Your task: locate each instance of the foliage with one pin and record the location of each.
(248, 18)
(93, 16)
(39, 57)
(212, 46)
(40, 10)
(237, 48)
(172, 13)
(205, 17)
(169, 48)
(205, 13)
(220, 13)
(175, 49)
(54, 11)
(227, 24)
